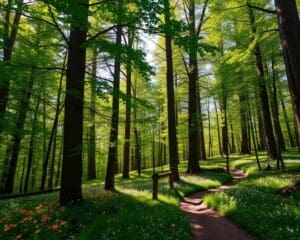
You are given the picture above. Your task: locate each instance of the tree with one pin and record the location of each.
(263, 94)
(128, 111)
(72, 152)
(172, 132)
(113, 140)
(92, 128)
(289, 28)
(9, 39)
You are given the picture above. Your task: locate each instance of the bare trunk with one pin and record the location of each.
(113, 142)
(289, 28)
(172, 132)
(126, 156)
(92, 129)
(72, 153)
(10, 169)
(264, 99)
(9, 40)
(31, 145)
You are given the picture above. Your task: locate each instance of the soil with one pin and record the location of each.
(208, 224)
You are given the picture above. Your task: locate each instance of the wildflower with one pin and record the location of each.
(53, 228)
(6, 228)
(173, 225)
(63, 223)
(19, 236)
(25, 219)
(45, 218)
(37, 231)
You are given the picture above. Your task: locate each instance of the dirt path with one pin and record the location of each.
(208, 224)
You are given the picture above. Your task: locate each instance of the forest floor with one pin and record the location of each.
(205, 221)
(129, 212)
(253, 203)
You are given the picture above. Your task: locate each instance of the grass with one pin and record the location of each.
(253, 204)
(128, 213)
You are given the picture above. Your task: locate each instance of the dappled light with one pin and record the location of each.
(149, 119)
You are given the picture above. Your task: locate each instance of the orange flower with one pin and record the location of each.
(38, 208)
(45, 218)
(53, 228)
(25, 219)
(19, 236)
(63, 223)
(6, 228)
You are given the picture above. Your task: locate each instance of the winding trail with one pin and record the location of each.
(208, 224)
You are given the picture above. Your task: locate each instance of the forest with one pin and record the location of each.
(150, 119)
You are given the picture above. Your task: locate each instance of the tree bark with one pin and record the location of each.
(253, 136)
(113, 146)
(280, 141)
(172, 132)
(72, 153)
(264, 99)
(218, 128)
(210, 151)
(233, 147)
(200, 124)
(9, 40)
(275, 109)
(53, 132)
(287, 124)
(52, 163)
(193, 123)
(289, 28)
(243, 118)
(31, 145)
(126, 156)
(10, 169)
(92, 128)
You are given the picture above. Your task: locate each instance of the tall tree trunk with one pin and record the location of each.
(22, 176)
(172, 132)
(218, 128)
(53, 131)
(31, 144)
(277, 126)
(271, 142)
(243, 117)
(15, 144)
(289, 28)
(225, 139)
(233, 147)
(9, 40)
(193, 124)
(128, 112)
(287, 123)
(253, 136)
(200, 123)
(261, 128)
(210, 153)
(59, 163)
(52, 163)
(137, 149)
(72, 152)
(113, 146)
(275, 109)
(92, 130)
